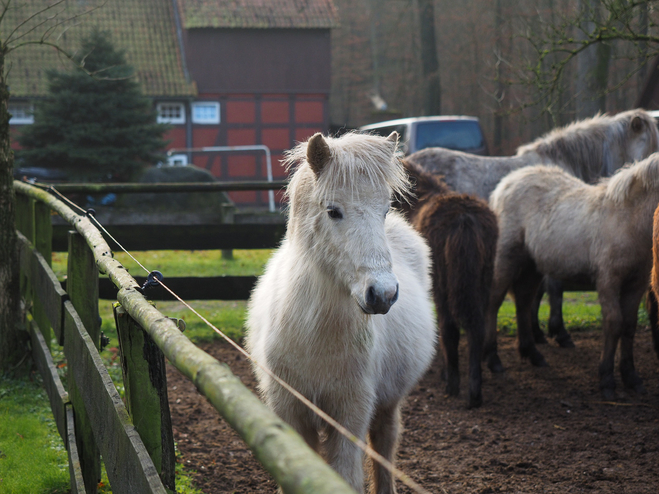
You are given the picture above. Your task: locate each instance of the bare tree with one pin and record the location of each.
(36, 26)
(432, 101)
(589, 35)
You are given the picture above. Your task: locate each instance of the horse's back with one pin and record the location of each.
(551, 215)
(462, 232)
(467, 173)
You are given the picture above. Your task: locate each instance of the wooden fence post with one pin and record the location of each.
(145, 384)
(82, 287)
(42, 241)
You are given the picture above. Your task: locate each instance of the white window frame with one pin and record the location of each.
(27, 110)
(207, 121)
(167, 119)
(177, 160)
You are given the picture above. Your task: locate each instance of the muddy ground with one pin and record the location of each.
(539, 430)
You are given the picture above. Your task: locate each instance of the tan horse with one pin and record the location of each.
(588, 149)
(343, 311)
(551, 223)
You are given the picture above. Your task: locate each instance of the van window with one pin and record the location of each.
(453, 134)
(386, 131)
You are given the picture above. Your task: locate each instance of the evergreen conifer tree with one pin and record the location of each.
(96, 124)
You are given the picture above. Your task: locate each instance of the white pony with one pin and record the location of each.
(551, 223)
(343, 311)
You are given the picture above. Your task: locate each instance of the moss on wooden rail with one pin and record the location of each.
(282, 452)
(136, 188)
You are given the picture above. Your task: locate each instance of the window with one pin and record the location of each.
(21, 113)
(206, 112)
(177, 160)
(173, 113)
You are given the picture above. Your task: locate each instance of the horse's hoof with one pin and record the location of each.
(452, 388)
(538, 360)
(634, 382)
(565, 341)
(609, 394)
(495, 365)
(475, 401)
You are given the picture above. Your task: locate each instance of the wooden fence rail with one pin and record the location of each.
(91, 417)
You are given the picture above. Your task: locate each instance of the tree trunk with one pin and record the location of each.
(588, 98)
(11, 346)
(497, 142)
(432, 100)
(642, 48)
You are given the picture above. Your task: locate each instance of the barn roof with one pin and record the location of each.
(299, 14)
(145, 29)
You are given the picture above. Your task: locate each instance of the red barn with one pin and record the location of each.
(223, 73)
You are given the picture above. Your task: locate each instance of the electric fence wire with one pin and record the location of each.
(370, 452)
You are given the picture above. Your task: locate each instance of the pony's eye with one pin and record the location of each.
(334, 213)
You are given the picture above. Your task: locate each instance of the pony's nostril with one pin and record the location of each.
(395, 297)
(371, 298)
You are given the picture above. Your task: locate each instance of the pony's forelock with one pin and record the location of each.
(646, 172)
(354, 158)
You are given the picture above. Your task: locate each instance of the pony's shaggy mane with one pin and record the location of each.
(646, 172)
(354, 158)
(590, 141)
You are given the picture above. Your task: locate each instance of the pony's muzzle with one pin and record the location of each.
(379, 300)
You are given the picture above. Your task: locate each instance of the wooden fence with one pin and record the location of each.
(135, 439)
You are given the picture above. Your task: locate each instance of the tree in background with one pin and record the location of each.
(35, 25)
(609, 40)
(97, 125)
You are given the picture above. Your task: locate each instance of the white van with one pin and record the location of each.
(446, 131)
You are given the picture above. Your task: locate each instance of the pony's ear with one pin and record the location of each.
(318, 153)
(393, 137)
(637, 124)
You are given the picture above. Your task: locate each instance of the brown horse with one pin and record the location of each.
(462, 233)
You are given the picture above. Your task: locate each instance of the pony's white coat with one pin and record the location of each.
(588, 149)
(306, 320)
(574, 231)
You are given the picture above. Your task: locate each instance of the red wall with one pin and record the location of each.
(275, 120)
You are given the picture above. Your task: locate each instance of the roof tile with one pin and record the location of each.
(144, 28)
(258, 13)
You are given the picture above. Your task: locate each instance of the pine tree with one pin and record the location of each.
(96, 124)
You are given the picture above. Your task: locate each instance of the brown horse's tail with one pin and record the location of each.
(470, 250)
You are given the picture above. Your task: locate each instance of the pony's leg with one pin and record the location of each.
(556, 326)
(475, 329)
(341, 453)
(538, 335)
(629, 305)
(490, 354)
(384, 439)
(293, 412)
(609, 299)
(652, 308)
(524, 289)
(506, 270)
(450, 338)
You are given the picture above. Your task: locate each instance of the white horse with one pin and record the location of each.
(552, 223)
(322, 316)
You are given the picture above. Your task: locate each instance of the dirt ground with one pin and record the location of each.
(539, 430)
